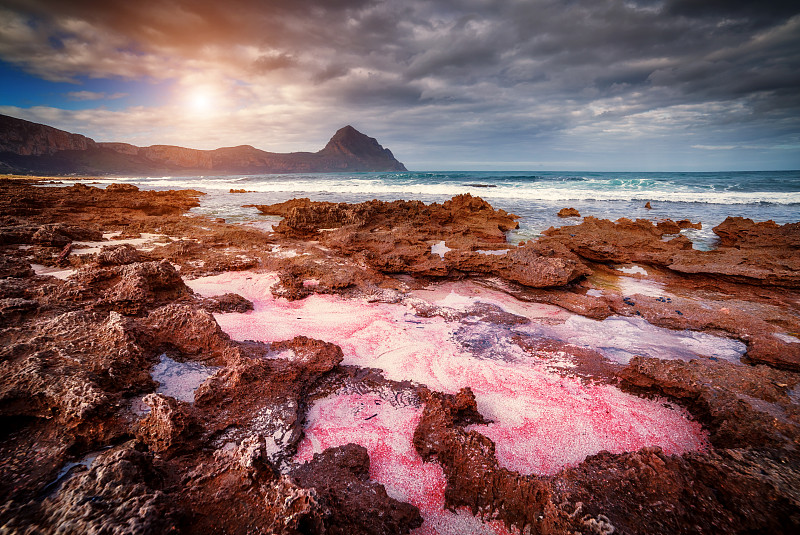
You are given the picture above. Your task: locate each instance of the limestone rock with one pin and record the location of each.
(340, 477)
(569, 212)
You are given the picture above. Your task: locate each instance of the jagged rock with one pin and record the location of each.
(474, 478)
(68, 365)
(340, 477)
(533, 264)
(121, 187)
(119, 494)
(116, 255)
(14, 267)
(600, 240)
(169, 426)
(396, 237)
(740, 405)
(228, 302)
(569, 212)
(145, 283)
(729, 491)
(755, 253)
(189, 330)
(744, 233)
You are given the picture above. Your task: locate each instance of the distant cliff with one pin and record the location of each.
(27, 147)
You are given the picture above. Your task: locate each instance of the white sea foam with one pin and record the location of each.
(581, 189)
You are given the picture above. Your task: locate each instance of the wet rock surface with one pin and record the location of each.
(88, 445)
(340, 477)
(458, 237)
(751, 252)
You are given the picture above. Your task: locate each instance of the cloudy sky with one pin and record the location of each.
(446, 84)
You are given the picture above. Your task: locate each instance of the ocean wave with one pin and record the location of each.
(436, 186)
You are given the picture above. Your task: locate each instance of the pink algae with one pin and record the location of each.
(541, 421)
(386, 431)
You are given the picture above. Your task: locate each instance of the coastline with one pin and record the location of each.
(79, 350)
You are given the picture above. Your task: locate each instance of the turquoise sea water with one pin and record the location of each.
(536, 197)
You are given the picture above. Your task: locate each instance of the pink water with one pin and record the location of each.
(386, 431)
(542, 421)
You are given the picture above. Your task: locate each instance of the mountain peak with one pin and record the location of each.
(347, 141)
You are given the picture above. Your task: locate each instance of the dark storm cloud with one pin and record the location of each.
(464, 68)
(762, 12)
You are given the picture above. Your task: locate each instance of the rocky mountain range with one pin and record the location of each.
(32, 148)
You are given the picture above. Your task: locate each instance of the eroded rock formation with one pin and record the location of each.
(91, 443)
(462, 235)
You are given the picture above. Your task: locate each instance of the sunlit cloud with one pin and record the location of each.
(94, 95)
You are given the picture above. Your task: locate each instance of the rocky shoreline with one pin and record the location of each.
(102, 286)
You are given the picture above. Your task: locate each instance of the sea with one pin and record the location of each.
(536, 197)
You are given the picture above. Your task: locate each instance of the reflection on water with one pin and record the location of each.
(180, 379)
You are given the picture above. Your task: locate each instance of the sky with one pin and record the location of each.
(605, 85)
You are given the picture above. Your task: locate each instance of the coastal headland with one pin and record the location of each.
(33, 148)
(390, 367)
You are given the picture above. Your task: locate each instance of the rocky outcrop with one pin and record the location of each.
(121, 492)
(169, 425)
(623, 241)
(76, 357)
(340, 477)
(740, 405)
(762, 253)
(462, 235)
(726, 491)
(735, 490)
(27, 147)
(743, 233)
(569, 212)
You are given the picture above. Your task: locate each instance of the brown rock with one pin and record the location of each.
(169, 426)
(742, 233)
(122, 187)
(14, 267)
(144, 284)
(189, 330)
(116, 255)
(740, 405)
(396, 237)
(600, 240)
(340, 477)
(229, 302)
(121, 493)
(763, 253)
(474, 478)
(730, 491)
(568, 212)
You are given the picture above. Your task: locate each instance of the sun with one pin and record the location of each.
(200, 101)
